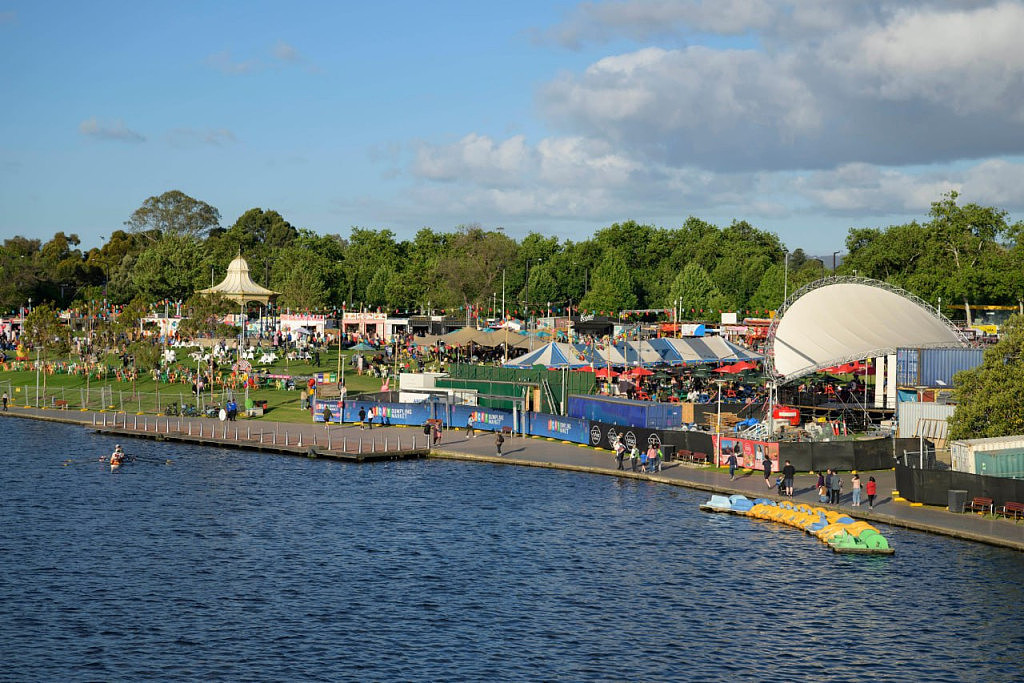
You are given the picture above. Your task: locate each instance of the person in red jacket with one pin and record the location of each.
(871, 488)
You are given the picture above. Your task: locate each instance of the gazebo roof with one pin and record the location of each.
(238, 286)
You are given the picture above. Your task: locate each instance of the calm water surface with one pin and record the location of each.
(227, 565)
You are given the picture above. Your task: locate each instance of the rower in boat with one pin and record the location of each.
(117, 457)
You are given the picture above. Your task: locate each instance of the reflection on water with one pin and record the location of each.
(229, 565)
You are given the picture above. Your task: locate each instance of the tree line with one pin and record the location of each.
(174, 244)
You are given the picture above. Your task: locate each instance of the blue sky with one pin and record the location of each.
(801, 117)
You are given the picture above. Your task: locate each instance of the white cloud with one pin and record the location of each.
(474, 155)
(223, 62)
(191, 137)
(115, 131)
(285, 52)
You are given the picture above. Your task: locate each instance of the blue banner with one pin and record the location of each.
(392, 413)
(318, 410)
(482, 418)
(572, 429)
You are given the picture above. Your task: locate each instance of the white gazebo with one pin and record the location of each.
(237, 286)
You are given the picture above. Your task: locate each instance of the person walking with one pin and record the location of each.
(767, 471)
(5, 399)
(470, 430)
(835, 488)
(634, 458)
(732, 466)
(499, 440)
(788, 474)
(620, 453)
(871, 488)
(652, 458)
(855, 489)
(362, 417)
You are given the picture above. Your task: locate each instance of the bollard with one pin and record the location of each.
(385, 444)
(190, 429)
(104, 419)
(360, 445)
(328, 441)
(94, 419)
(344, 443)
(248, 433)
(373, 445)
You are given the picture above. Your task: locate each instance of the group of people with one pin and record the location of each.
(830, 486)
(639, 461)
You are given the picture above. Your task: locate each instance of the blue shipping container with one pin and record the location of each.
(906, 367)
(934, 367)
(626, 413)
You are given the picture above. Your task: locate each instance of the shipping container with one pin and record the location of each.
(934, 367)
(626, 413)
(909, 414)
(1001, 456)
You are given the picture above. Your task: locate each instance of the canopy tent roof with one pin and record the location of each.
(836, 320)
(238, 286)
(556, 355)
(700, 350)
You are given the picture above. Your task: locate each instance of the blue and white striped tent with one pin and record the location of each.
(556, 355)
(701, 350)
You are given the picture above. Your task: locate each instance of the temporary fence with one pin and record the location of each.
(108, 398)
(260, 434)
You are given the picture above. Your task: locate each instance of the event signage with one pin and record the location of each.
(482, 418)
(389, 413)
(558, 427)
(750, 454)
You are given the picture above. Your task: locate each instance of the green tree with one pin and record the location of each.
(172, 268)
(205, 316)
(988, 397)
(174, 214)
(697, 292)
(43, 328)
(611, 288)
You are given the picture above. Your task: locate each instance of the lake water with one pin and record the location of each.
(228, 565)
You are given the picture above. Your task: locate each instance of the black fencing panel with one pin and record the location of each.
(835, 454)
(798, 453)
(906, 484)
(932, 487)
(873, 454)
(905, 444)
(699, 442)
(602, 434)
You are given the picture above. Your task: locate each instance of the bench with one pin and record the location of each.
(1011, 509)
(58, 403)
(980, 505)
(507, 431)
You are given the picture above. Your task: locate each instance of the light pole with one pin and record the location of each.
(528, 316)
(834, 254)
(785, 278)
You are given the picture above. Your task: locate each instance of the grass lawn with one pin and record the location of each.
(146, 397)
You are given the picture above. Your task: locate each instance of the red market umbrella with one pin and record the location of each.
(606, 372)
(640, 372)
(725, 369)
(585, 368)
(744, 365)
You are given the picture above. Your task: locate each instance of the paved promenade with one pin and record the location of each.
(536, 452)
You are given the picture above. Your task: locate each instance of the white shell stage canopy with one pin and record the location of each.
(837, 320)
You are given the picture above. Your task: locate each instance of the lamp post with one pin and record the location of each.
(785, 278)
(834, 254)
(528, 315)
(718, 426)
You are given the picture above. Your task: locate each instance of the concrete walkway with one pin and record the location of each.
(539, 452)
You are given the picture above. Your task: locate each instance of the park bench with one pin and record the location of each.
(507, 431)
(980, 505)
(58, 403)
(699, 458)
(1011, 509)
